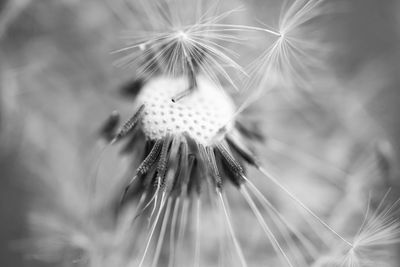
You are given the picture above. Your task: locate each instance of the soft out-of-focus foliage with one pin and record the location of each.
(330, 146)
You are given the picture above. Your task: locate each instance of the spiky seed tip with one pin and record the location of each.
(200, 114)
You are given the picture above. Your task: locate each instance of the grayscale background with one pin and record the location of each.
(57, 84)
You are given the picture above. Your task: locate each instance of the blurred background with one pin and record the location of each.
(58, 84)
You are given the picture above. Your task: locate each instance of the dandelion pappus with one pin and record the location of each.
(184, 39)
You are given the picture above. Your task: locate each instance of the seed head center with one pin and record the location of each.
(200, 114)
(182, 35)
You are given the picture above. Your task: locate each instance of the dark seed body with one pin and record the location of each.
(162, 163)
(232, 168)
(130, 124)
(109, 127)
(178, 165)
(150, 159)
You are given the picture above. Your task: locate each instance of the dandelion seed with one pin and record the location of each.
(184, 38)
(378, 231)
(293, 57)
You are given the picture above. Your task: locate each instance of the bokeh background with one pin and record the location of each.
(58, 83)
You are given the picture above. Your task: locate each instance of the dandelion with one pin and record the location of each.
(184, 158)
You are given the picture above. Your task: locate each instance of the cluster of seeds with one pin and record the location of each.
(200, 114)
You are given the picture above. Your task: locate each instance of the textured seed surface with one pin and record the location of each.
(201, 114)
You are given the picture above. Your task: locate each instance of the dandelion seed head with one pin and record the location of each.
(182, 161)
(185, 149)
(201, 114)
